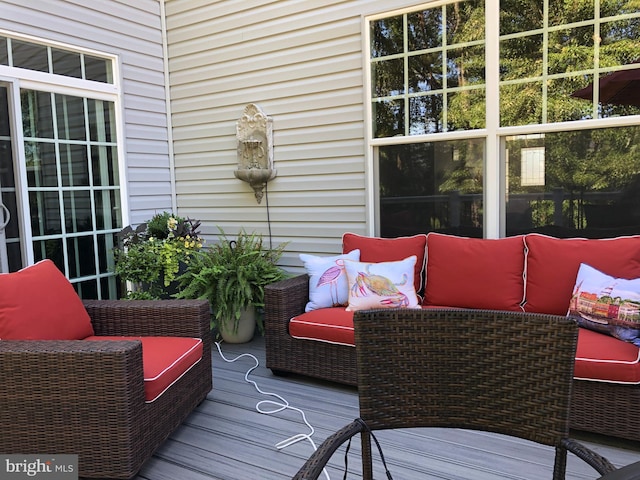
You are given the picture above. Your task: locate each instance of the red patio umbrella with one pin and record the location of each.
(618, 88)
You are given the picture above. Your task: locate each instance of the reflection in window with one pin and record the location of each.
(431, 187)
(441, 59)
(589, 183)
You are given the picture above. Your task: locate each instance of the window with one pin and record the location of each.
(63, 193)
(566, 162)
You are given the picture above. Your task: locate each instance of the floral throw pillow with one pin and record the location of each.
(606, 304)
(327, 279)
(382, 284)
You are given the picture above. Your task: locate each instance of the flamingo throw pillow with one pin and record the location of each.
(328, 285)
(382, 284)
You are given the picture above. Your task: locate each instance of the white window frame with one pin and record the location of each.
(494, 188)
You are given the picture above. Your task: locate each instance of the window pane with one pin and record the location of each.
(521, 57)
(521, 15)
(425, 72)
(66, 63)
(424, 29)
(41, 164)
(425, 115)
(4, 55)
(465, 110)
(388, 77)
(101, 121)
(521, 104)
(29, 55)
(465, 66)
(97, 69)
(74, 165)
(388, 118)
(107, 209)
(561, 10)
(70, 117)
(387, 37)
(37, 115)
(581, 183)
(45, 213)
(77, 208)
(431, 187)
(51, 249)
(104, 163)
(81, 256)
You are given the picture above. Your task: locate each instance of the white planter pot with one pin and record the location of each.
(246, 327)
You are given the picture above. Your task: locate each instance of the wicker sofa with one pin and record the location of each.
(90, 397)
(480, 274)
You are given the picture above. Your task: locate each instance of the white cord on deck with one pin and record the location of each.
(277, 406)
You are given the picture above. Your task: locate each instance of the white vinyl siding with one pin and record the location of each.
(131, 31)
(302, 62)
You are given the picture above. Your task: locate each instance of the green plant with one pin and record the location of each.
(150, 256)
(232, 274)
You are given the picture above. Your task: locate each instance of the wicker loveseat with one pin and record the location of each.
(477, 274)
(91, 397)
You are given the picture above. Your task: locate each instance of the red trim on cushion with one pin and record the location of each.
(164, 360)
(39, 303)
(604, 358)
(552, 266)
(475, 272)
(332, 325)
(377, 249)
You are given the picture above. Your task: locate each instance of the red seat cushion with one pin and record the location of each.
(164, 360)
(552, 266)
(375, 249)
(601, 357)
(475, 272)
(333, 325)
(39, 303)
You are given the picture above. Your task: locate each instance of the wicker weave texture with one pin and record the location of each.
(87, 398)
(496, 371)
(598, 407)
(502, 372)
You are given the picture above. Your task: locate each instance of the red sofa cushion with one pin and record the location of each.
(601, 357)
(375, 249)
(39, 303)
(474, 272)
(332, 325)
(164, 360)
(552, 266)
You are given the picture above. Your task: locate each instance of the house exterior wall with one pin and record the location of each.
(133, 32)
(302, 62)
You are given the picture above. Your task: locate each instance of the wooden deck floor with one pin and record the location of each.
(227, 438)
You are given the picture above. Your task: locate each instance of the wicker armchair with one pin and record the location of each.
(503, 372)
(87, 397)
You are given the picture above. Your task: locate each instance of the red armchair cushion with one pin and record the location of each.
(39, 303)
(604, 358)
(164, 360)
(375, 249)
(474, 272)
(552, 266)
(332, 325)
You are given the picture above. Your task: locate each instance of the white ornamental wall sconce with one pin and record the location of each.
(254, 133)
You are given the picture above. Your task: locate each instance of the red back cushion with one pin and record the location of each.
(475, 272)
(39, 303)
(375, 249)
(552, 266)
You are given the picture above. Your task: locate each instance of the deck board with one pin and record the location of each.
(226, 438)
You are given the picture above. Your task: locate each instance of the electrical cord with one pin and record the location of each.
(275, 406)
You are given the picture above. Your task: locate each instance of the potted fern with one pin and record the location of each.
(232, 274)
